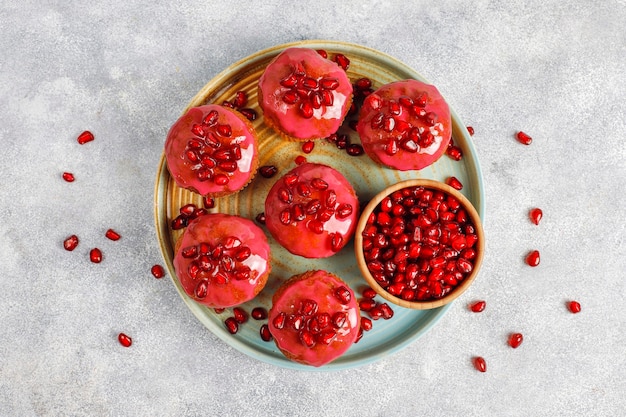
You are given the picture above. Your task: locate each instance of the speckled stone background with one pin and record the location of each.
(126, 69)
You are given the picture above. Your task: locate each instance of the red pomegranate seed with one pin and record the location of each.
(85, 137)
(231, 325)
(515, 340)
(342, 61)
(112, 235)
(322, 52)
(366, 324)
(369, 293)
(300, 160)
(157, 271)
(259, 313)
(208, 202)
(363, 83)
(268, 171)
(454, 152)
(470, 130)
(249, 113)
(265, 333)
(523, 138)
(240, 100)
(307, 147)
(355, 149)
(533, 258)
(454, 183)
(478, 306)
(124, 340)
(68, 176)
(179, 222)
(219, 310)
(480, 364)
(95, 255)
(70, 243)
(535, 215)
(260, 218)
(240, 315)
(574, 307)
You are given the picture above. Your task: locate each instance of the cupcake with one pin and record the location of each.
(222, 260)
(405, 125)
(303, 95)
(314, 318)
(312, 211)
(212, 150)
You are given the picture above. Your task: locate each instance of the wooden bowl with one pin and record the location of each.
(454, 291)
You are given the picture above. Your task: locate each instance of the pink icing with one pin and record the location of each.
(214, 229)
(297, 237)
(375, 140)
(186, 172)
(319, 286)
(286, 117)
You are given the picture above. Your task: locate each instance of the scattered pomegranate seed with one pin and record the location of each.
(268, 171)
(112, 235)
(454, 152)
(515, 340)
(478, 306)
(219, 310)
(95, 255)
(157, 271)
(363, 83)
(240, 100)
(124, 340)
(454, 183)
(480, 364)
(535, 215)
(342, 61)
(366, 324)
(249, 113)
(264, 331)
(307, 147)
(240, 315)
(369, 292)
(260, 218)
(574, 307)
(68, 176)
(208, 202)
(523, 138)
(231, 325)
(300, 160)
(470, 130)
(322, 52)
(355, 149)
(85, 137)
(70, 243)
(533, 258)
(259, 313)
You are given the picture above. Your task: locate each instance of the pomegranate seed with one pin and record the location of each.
(112, 235)
(480, 364)
(95, 255)
(535, 215)
(533, 258)
(265, 333)
(307, 147)
(515, 340)
(85, 137)
(470, 130)
(259, 313)
(363, 83)
(574, 307)
(369, 293)
(454, 183)
(355, 149)
(300, 160)
(68, 176)
(523, 138)
(478, 306)
(366, 324)
(322, 52)
(455, 153)
(249, 114)
(342, 61)
(241, 99)
(268, 171)
(343, 295)
(124, 340)
(260, 218)
(70, 243)
(240, 315)
(231, 325)
(157, 271)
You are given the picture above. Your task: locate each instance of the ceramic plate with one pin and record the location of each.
(368, 179)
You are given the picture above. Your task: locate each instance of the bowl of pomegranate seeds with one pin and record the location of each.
(419, 243)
